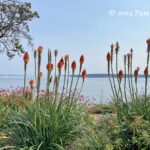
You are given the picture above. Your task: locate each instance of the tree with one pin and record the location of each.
(14, 26)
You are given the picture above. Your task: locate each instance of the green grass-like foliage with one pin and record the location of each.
(109, 134)
(45, 125)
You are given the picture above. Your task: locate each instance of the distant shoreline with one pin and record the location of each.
(103, 75)
(106, 75)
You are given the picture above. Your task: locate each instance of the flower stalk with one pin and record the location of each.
(73, 66)
(125, 76)
(49, 68)
(40, 49)
(132, 88)
(35, 69)
(59, 66)
(26, 60)
(31, 82)
(109, 59)
(147, 67)
(65, 74)
(84, 75)
(80, 69)
(136, 71)
(112, 72)
(68, 76)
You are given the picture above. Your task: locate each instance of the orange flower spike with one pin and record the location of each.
(84, 74)
(66, 58)
(26, 57)
(60, 65)
(62, 61)
(148, 41)
(73, 66)
(40, 74)
(40, 49)
(111, 58)
(49, 67)
(31, 82)
(120, 75)
(135, 73)
(108, 57)
(82, 59)
(146, 72)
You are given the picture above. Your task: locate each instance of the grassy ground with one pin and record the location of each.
(81, 127)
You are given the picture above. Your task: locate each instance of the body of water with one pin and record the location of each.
(95, 89)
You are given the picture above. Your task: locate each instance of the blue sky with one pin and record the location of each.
(86, 27)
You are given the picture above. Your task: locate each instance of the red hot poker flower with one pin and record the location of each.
(26, 57)
(62, 61)
(60, 65)
(49, 67)
(31, 82)
(120, 75)
(148, 41)
(73, 66)
(108, 57)
(135, 73)
(40, 49)
(66, 58)
(82, 59)
(111, 57)
(84, 74)
(146, 72)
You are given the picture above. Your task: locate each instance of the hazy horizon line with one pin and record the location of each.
(94, 75)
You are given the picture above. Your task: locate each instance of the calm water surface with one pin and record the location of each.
(97, 89)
